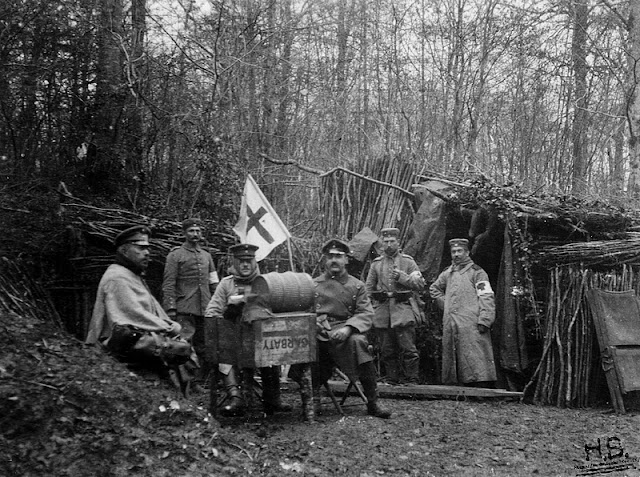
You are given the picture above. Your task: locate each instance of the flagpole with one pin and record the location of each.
(290, 255)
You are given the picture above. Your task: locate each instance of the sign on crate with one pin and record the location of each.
(285, 338)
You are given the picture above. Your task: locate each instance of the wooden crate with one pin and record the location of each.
(285, 338)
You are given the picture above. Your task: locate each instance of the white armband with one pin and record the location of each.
(213, 278)
(483, 288)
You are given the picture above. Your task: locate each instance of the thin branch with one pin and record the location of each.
(368, 179)
(291, 163)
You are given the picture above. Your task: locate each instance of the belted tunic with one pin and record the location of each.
(391, 298)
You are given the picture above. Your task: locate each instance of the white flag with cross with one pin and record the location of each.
(258, 223)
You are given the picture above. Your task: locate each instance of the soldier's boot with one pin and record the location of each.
(391, 371)
(317, 401)
(233, 405)
(249, 388)
(412, 367)
(271, 398)
(367, 375)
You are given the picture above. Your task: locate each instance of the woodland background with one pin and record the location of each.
(161, 107)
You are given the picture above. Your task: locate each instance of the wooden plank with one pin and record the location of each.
(430, 391)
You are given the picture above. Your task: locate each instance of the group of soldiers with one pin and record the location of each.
(132, 324)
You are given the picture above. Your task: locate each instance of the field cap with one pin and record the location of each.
(187, 223)
(459, 242)
(390, 232)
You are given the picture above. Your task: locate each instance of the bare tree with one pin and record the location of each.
(580, 19)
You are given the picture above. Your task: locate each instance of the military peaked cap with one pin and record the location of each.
(243, 250)
(335, 246)
(459, 242)
(138, 234)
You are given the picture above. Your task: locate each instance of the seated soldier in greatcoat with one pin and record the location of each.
(127, 319)
(344, 314)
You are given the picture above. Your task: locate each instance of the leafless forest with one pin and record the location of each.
(165, 105)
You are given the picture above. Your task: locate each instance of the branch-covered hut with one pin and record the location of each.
(543, 254)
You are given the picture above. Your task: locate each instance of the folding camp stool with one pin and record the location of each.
(352, 385)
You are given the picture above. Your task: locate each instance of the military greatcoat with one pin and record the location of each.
(468, 300)
(344, 301)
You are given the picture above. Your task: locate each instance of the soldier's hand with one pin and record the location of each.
(395, 273)
(482, 329)
(341, 334)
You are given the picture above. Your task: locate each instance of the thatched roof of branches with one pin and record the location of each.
(579, 219)
(552, 229)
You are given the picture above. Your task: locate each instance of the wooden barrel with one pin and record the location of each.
(284, 292)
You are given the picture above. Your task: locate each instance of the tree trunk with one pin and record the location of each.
(105, 169)
(579, 57)
(633, 106)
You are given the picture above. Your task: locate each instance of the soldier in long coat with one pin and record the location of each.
(464, 293)
(129, 322)
(391, 282)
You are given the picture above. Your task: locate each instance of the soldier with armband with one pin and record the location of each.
(465, 295)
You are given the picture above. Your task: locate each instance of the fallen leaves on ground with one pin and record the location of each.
(67, 409)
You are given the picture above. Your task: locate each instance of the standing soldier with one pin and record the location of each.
(391, 282)
(189, 280)
(464, 293)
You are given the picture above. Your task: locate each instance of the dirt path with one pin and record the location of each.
(69, 410)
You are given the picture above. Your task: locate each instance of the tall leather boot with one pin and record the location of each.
(411, 370)
(367, 375)
(271, 399)
(317, 401)
(391, 371)
(249, 388)
(234, 404)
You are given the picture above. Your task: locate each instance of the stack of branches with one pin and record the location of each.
(377, 198)
(570, 354)
(21, 295)
(100, 226)
(600, 253)
(95, 229)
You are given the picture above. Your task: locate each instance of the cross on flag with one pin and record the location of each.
(258, 223)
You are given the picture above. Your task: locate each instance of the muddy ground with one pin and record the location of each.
(69, 410)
